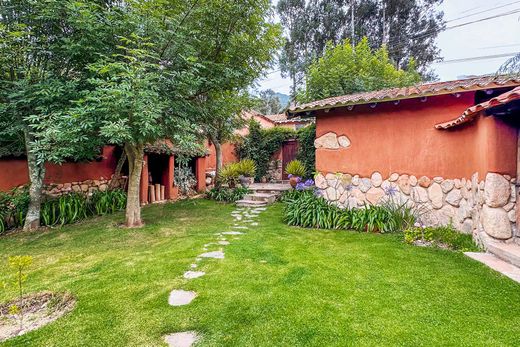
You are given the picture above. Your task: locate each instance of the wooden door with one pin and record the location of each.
(289, 151)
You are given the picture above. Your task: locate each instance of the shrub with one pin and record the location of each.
(260, 145)
(246, 167)
(306, 151)
(444, 236)
(183, 176)
(107, 202)
(227, 194)
(65, 209)
(295, 168)
(229, 174)
(13, 208)
(305, 208)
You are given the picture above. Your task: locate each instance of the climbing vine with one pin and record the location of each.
(260, 145)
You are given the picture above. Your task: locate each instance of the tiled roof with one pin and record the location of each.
(472, 112)
(428, 89)
(282, 118)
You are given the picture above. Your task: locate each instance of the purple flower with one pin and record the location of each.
(309, 182)
(298, 179)
(317, 192)
(300, 186)
(391, 191)
(289, 175)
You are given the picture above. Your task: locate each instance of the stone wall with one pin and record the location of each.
(87, 187)
(470, 205)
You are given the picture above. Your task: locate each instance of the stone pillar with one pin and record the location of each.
(143, 186)
(200, 173)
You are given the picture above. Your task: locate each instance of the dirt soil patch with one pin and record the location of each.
(37, 310)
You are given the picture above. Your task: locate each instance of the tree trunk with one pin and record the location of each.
(218, 155)
(135, 155)
(117, 174)
(36, 175)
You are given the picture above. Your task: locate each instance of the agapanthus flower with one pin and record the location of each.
(298, 179)
(300, 186)
(289, 175)
(391, 191)
(309, 182)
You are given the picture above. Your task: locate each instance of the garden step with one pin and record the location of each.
(269, 198)
(497, 264)
(509, 252)
(251, 203)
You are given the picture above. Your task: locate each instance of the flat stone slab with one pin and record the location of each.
(182, 339)
(193, 274)
(496, 264)
(181, 297)
(223, 243)
(233, 233)
(214, 254)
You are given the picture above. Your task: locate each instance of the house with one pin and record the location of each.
(280, 158)
(448, 148)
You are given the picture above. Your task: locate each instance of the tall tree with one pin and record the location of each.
(345, 70)
(156, 87)
(44, 48)
(268, 102)
(408, 28)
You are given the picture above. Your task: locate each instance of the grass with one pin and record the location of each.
(277, 286)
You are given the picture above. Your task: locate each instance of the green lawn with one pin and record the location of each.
(277, 286)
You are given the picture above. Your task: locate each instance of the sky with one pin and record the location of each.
(495, 36)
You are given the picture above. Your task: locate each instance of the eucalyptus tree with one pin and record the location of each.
(44, 48)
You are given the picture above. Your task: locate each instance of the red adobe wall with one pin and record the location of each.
(13, 172)
(402, 138)
(228, 155)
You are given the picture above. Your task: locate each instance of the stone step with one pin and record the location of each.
(497, 264)
(251, 203)
(509, 252)
(269, 198)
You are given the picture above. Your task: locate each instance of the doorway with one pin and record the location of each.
(289, 152)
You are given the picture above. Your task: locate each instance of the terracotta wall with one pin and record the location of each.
(402, 138)
(228, 156)
(13, 172)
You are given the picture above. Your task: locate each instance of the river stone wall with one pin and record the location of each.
(87, 187)
(469, 205)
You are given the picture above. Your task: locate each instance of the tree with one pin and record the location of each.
(44, 47)
(223, 111)
(408, 28)
(345, 70)
(233, 59)
(168, 85)
(268, 102)
(129, 108)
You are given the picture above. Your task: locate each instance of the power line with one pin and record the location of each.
(483, 11)
(482, 57)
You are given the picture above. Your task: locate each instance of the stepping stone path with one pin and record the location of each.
(214, 254)
(193, 274)
(241, 216)
(181, 297)
(233, 233)
(183, 339)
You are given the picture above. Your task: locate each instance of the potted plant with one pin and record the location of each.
(229, 175)
(296, 170)
(246, 171)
